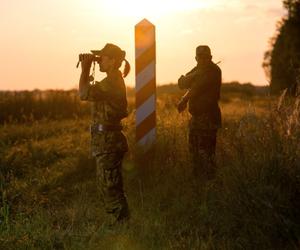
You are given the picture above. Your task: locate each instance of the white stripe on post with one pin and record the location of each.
(145, 110)
(145, 85)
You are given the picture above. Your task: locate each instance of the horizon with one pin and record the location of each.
(75, 88)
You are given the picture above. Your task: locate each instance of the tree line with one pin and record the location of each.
(282, 60)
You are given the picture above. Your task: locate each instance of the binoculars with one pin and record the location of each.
(94, 59)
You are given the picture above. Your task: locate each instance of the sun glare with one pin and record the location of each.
(152, 8)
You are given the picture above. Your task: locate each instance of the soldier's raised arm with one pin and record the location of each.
(191, 82)
(185, 81)
(84, 83)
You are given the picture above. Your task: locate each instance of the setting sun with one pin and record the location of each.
(151, 9)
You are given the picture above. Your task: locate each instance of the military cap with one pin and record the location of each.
(203, 50)
(111, 50)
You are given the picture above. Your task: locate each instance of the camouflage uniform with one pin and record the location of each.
(204, 83)
(109, 106)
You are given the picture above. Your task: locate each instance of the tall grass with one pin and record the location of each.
(49, 198)
(34, 105)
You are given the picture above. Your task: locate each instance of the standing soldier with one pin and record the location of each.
(203, 83)
(108, 143)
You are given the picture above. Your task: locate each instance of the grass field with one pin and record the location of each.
(49, 198)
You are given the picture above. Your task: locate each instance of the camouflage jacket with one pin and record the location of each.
(204, 84)
(109, 107)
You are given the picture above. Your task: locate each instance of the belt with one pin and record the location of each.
(101, 128)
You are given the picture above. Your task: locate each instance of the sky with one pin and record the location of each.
(40, 40)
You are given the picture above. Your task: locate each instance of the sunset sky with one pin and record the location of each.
(40, 40)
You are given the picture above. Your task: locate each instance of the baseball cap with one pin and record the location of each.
(111, 50)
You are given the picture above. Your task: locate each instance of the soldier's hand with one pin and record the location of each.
(181, 106)
(86, 61)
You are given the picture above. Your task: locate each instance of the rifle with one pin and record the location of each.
(182, 104)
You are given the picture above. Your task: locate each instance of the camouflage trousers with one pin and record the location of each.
(202, 146)
(110, 184)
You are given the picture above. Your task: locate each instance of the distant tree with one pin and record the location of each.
(282, 61)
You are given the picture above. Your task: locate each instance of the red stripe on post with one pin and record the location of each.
(145, 126)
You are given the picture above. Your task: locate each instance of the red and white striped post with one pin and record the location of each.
(145, 84)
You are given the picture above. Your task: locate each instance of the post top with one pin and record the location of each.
(144, 22)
